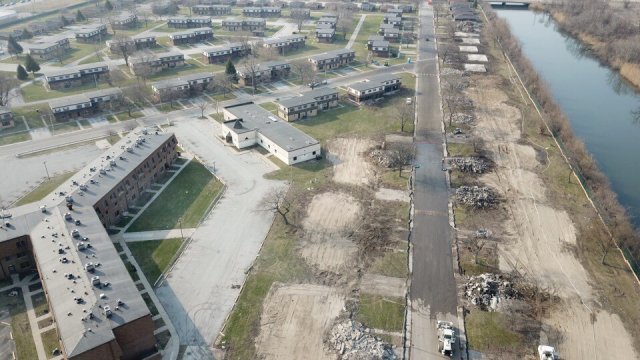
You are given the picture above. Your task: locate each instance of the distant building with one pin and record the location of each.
(298, 13)
(325, 34)
(213, 10)
(137, 42)
(375, 87)
(91, 33)
(84, 105)
(265, 72)
(329, 20)
(392, 34)
(248, 24)
(220, 54)
(69, 77)
(6, 118)
(381, 48)
(393, 19)
(333, 59)
(192, 36)
(373, 38)
(307, 104)
(265, 11)
(186, 85)
(125, 20)
(156, 62)
(247, 124)
(365, 6)
(48, 48)
(183, 22)
(285, 43)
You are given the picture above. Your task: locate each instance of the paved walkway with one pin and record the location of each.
(353, 37)
(157, 235)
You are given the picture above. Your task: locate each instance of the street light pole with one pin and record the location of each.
(46, 170)
(180, 223)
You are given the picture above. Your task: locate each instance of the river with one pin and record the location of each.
(598, 103)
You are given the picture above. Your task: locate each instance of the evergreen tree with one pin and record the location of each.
(21, 73)
(26, 34)
(13, 47)
(65, 22)
(31, 65)
(230, 70)
(80, 16)
(107, 5)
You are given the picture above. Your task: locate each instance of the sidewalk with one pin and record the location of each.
(353, 37)
(157, 235)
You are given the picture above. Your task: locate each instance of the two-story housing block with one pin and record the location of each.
(247, 124)
(83, 105)
(264, 72)
(6, 118)
(263, 11)
(392, 35)
(91, 33)
(125, 20)
(381, 48)
(69, 77)
(325, 34)
(333, 59)
(375, 87)
(384, 27)
(248, 24)
(192, 36)
(285, 43)
(213, 10)
(307, 104)
(186, 85)
(392, 19)
(222, 53)
(49, 47)
(137, 42)
(328, 20)
(373, 38)
(151, 63)
(184, 22)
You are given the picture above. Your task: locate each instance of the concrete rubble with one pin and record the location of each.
(381, 157)
(469, 164)
(462, 118)
(476, 196)
(450, 71)
(468, 27)
(488, 290)
(353, 341)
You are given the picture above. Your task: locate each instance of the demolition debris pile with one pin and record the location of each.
(468, 27)
(353, 341)
(479, 197)
(487, 290)
(462, 118)
(470, 164)
(381, 157)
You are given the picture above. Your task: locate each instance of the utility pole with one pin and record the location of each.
(46, 170)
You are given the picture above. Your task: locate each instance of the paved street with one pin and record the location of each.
(433, 289)
(198, 293)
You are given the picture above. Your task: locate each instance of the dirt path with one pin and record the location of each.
(350, 165)
(540, 240)
(294, 320)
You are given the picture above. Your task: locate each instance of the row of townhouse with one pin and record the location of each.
(307, 104)
(192, 36)
(184, 22)
(265, 72)
(374, 87)
(125, 20)
(83, 105)
(155, 62)
(462, 11)
(330, 20)
(217, 2)
(325, 33)
(137, 42)
(389, 32)
(186, 85)
(332, 59)
(378, 46)
(246, 24)
(222, 53)
(90, 33)
(263, 11)
(213, 10)
(69, 77)
(6, 118)
(49, 47)
(285, 43)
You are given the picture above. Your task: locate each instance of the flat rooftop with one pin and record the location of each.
(58, 256)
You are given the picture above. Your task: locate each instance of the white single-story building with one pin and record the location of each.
(247, 124)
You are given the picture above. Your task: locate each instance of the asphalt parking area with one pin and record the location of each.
(7, 345)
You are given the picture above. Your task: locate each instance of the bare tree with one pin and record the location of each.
(224, 84)
(345, 20)
(304, 69)
(475, 244)
(7, 83)
(452, 95)
(123, 46)
(202, 105)
(403, 113)
(401, 155)
(299, 18)
(448, 53)
(267, 53)
(59, 54)
(142, 67)
(133, 97)
(277, 200)
(250, 70)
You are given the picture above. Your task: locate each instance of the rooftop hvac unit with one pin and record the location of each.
(130, 149)
(83, 187)
(81, 246)
(107, 311)
(95, 280)
(103, 171)
(75, 233)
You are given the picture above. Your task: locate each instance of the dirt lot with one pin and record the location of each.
(294, 320)
(540, 240)
(350, 166)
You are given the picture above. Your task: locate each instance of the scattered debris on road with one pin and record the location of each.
(353, 341)
(479, 197)
(487, 290)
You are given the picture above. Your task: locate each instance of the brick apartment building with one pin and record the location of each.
(192, 36)
(183, 22)
(325, 34)
(156, 62)
(84, 105)
(333, 59)
(248, 24)
(137, 42)
(66, 78)
(264, 11)
(222, 53)
(125, 20)
(212, 10)
(298, 13)
(307, 104)
(186, 85)
(266, 72)
(285, 43)
(375, 87)
(44, 236)
(91, 33)
(48, 48)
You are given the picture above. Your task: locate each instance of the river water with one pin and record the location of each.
(598, 103)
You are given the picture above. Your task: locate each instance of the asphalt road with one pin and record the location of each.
(433, 288)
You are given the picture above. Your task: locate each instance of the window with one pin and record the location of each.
(313, 153)
(295, 158)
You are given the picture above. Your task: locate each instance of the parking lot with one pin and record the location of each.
(7, 346)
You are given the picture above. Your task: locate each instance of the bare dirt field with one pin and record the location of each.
(383, 285)
(392, 195)
(294, 320)
(540, 240)
(348, 157)
(331, 212)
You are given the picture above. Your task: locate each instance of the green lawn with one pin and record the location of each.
(369, 27)
(153, 256)
(32, 114)
(141, 27)
(14, 138)
(91, 59)
(50, 342)
(40, 305)
(380, 312)
(35, 92)
(392, 264)
(20, 328)
(393, 179)
(489, 330)
(44, 188)
(78, 51)
(362, 121)
(270, 106)
(191, 67)
(185, 199)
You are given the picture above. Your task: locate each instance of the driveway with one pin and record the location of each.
(198, 293)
